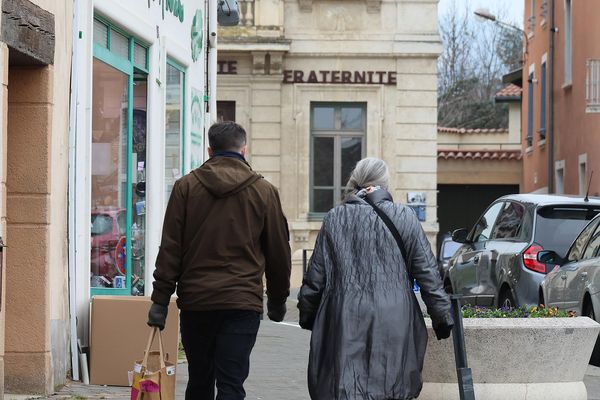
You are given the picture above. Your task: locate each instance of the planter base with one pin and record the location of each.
(504, 391)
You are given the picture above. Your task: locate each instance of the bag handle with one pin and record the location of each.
(149, 345)
(394, 231)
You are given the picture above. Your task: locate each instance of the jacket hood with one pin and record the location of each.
(225, 176)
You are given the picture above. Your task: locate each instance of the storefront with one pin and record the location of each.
(320, 85)
(140, 115)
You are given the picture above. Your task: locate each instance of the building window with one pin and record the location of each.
(174, 126)
(530, 110)
(337, 144)
(543, 101)
(544, 11)
(225, 111)
(568, 43)
(559, 175)
(531, 19)
(583, 174)
(592, 86)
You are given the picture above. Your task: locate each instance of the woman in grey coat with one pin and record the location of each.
(368, 334)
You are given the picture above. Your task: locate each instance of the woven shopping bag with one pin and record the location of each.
(153, 377)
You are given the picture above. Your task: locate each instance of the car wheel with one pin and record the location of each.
(506, 299)
(588, 311)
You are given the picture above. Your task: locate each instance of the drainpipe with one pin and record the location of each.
(550, 133)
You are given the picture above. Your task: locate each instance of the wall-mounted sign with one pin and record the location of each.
(227, 68)
(175, 7)
(196, 35)
(341, 77)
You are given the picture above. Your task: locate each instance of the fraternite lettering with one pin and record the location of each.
(341, 77)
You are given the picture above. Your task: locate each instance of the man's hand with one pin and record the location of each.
(275, 311)
(157, 316)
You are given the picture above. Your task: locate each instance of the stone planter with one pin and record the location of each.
(514, 358)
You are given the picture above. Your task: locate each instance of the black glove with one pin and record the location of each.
(443, 329)
(157, 316)
(276, 311)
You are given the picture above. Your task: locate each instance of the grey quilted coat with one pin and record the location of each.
(368, 335)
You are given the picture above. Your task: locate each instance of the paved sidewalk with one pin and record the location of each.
(278, 368)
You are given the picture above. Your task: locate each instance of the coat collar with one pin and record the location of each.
(376, 196)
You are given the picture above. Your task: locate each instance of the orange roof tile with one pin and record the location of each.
(499, 155)
(510, 91)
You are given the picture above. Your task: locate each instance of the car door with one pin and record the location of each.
(571, 284)
(500, 251)
(579, 273)
(465, 280)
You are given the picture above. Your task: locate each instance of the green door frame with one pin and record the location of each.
(126, 66)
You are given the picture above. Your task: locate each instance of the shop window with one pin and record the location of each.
(225, 111)
(174, 126)
(337, 144)
(118, 165)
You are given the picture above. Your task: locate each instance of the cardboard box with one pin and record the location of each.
(119, 334)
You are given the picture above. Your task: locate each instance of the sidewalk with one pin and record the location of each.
(278, 368)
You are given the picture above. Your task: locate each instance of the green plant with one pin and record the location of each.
(519, 312)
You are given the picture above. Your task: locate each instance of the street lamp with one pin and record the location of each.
(484, 14)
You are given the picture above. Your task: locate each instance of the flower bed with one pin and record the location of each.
(520, 312)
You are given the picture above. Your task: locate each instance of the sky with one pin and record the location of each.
(512, 8)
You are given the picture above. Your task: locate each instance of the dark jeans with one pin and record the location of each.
(217, 346)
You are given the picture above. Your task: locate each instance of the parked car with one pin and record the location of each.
(447, 249)
(497, 264)
(574, 284)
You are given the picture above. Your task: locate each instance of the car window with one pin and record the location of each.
(509, 221)
(450, 248)
(101, 224)
(483, 228)
(593, 246)
(556, 227)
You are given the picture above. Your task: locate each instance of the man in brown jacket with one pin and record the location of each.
(223, 229)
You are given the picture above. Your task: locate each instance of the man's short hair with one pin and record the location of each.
(226, 136)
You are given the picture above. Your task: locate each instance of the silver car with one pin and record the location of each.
(497, 264)
(574, 284)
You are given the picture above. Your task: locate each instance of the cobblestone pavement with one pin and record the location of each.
(278, 368)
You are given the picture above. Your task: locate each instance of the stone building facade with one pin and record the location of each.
(321, 84)
(35, 64)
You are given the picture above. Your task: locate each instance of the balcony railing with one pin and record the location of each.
(592, 86)
(246, 12)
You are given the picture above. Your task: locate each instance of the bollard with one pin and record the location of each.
(463, 372)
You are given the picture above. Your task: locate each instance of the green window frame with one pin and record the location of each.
(104, 51)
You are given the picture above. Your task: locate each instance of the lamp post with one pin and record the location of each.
(485, 15)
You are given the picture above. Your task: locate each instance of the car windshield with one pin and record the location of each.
(450, 248)
(557, 226)
(101, 224)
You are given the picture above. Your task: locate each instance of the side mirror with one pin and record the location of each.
(549, 257)
(460, 235)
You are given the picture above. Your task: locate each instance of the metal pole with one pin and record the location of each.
(463, 372)
(304, 262)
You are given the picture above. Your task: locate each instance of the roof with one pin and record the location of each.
(552, 199)
(499, 155)
(510, 92)
(461, 131)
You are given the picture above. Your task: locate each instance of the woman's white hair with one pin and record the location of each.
(369, 171)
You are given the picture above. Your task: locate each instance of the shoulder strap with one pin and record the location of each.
(394, 231)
